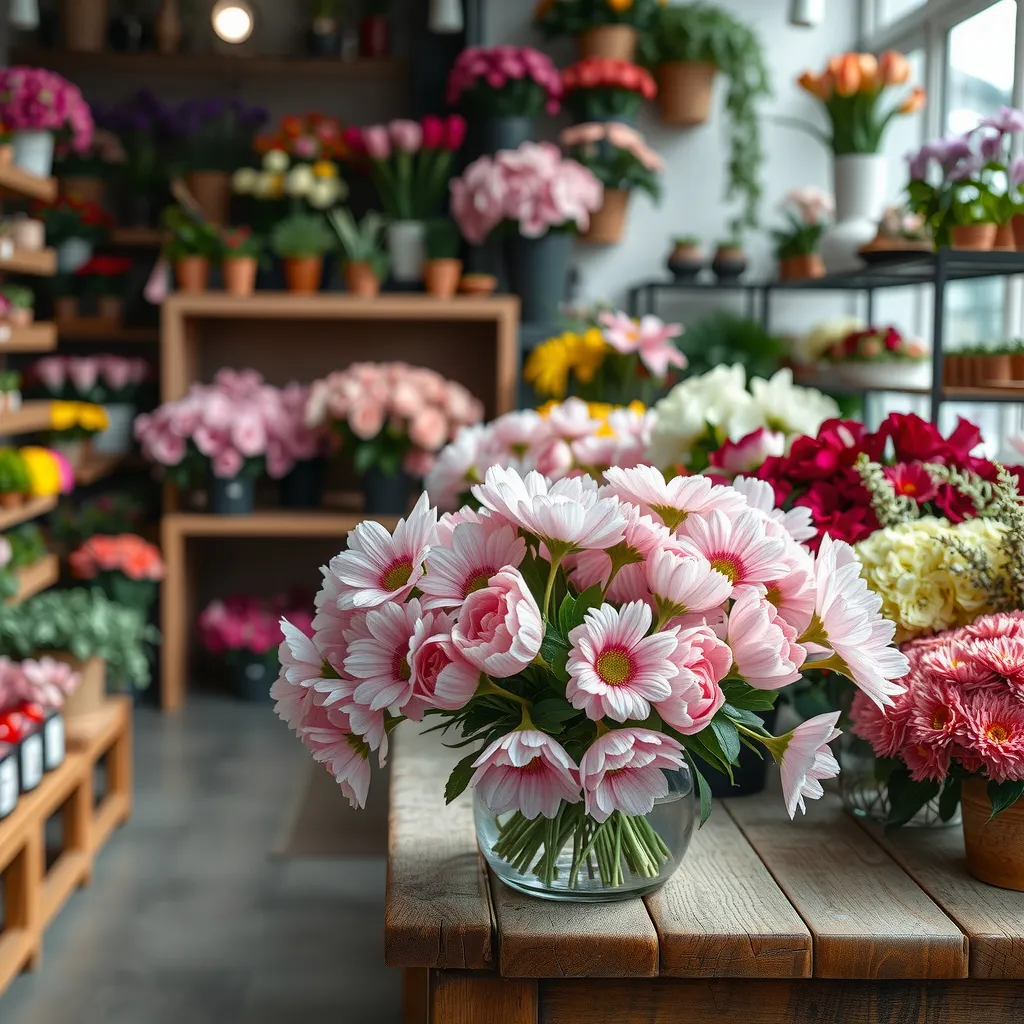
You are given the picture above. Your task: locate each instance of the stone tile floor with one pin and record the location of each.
(188, 921)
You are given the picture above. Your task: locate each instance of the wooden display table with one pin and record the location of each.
(767, 921)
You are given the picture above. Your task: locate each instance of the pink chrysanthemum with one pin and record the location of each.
(1008, 624)
(995, 732)
(956, 662)
(380, 662)
(683, 583)
(739, 548)
(926, 761)
(807, 760)
(764, 648)
(885, 728)
(937, 713)
(1003, 656)
(615, 668)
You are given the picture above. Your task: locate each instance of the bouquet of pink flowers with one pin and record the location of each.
(617, 154)
(291, 439)
(591, 643)
(504, 81)
(45, 682)
(391, 415)
(534, 188)
(410, 162)
(33, 99)
(105, 379)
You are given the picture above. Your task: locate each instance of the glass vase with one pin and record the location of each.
(574, 857)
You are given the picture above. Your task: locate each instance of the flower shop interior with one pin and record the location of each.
(487, 479)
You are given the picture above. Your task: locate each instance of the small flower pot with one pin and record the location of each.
(384, 494)
(31, 760)
(252, 677)
(973, 237)
(952, 371)
(29, 234)
(234, 496)
(302, 276)
(303, 487)
(994, 846)
(77, 453)
(65, 308)
(615, 42)
(1004, 241)
(407, 248)
(685, 261)
(998, 369)
(11, 499)
(110, 308)
(212, 191)
(33, 152)
(480, 285)
(73, 253)
(1017, 366)
(192, 274)
(1018, 231)
(375, 37)
(19, 316)
(239, 273)
(684, 92)
(361, 279)
(85, 25)
(54, 743)
(441, 277)
(87, 188)
(800, 268)
(729, 264)
(608, 223)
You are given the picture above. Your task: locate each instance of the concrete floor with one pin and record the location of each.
(187, 921)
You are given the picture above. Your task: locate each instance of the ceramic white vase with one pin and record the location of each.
(117, 438)
(33, 152)
(446, 16)
(406, 246)
(73, 253)
(860, 191)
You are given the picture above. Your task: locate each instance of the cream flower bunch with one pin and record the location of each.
(318, 183)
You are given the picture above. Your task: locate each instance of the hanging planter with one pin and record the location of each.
(607, 90)
(684, 92)
(601, 28)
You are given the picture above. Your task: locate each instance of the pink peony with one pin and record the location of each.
(764, 648)
(703, 661)
(440, 676)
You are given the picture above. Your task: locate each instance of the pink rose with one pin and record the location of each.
(227, 464)
(703, 662)
(764, 646)
(429, 430)
(366, 420)
(116, 372)
(441, 677)
(377, 142)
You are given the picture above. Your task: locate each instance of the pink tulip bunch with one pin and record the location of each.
(505, 81)
(578, 634)
(392, 414)
(533, 188)
(44, 682)
(34, 99)
(102, 378)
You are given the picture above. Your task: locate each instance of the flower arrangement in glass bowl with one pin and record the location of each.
(393, 418)
(604, 89)
(590, 647)
(126, 567)
(504, 81)
(807, 212)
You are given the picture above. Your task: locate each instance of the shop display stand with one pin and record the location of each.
(303, 337)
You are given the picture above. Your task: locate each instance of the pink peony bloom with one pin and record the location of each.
(440, 676)
(526, 771)
(703, 661)
(739, 548)
(624, 770)
(764, 648)
(807, 760)
(649, 338)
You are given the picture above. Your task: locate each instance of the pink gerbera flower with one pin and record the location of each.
(760, 494)
(332, 743)
(624, 770)
(380, 662)
(912, 480)
(379, 567)
(302, 666)
(683, 583)
(739, 548)
(615, 668)
(649, 337)
(764, 648)
(995, 733)
(526, 771)
(807, 760)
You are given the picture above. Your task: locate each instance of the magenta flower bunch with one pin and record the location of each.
(532, 189)
(46, 682)
(245, 624)
(504, 81)
(34, 99)
(585, 639)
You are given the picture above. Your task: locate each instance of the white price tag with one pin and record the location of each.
(53, 742)
(8, 785)
(31, 761)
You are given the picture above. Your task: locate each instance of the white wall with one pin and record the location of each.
(693, 187)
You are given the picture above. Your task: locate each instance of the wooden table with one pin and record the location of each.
(767, 921)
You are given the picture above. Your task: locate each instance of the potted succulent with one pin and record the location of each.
(603, 28)
(15, 482)
(600, 89)
(126, 567)
(104, 278)
(443, 269)
(796, 245)
(10, 391)
(190, 248)
(686, 260)
(20, 304)
(375, 30)
(240, 257)
(730, 261)
(621, 161)
(366, 263)
(301, 242)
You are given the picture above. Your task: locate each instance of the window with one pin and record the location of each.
(888, 11)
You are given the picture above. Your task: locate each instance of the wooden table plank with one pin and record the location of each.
(992, 919)
(721, 915)
(437, 913)
(869, 919)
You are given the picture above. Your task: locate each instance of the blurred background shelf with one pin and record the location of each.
(33, 579)
(18, 184)
(37, 337)
(94, 329)
(41, 263)
(23, 513)
(31, 417)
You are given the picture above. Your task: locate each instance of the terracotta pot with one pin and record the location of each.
(192, 274)
(361, 280)
(85, 187)
(6, 154)
(951, 371)
(1004, 241)
(11, 499)
(478, 284)
(997, 369)
(212, 191)
(91, 695)
(302, 276)
(995, 848)
(110, 308)
(617, 42)
(973, 237)
(21, 317)
(684, 92)
(608, 223)
(65, 307)
(800, 268)
(375, 37)
(1018, 230)
(441, 277)
(1017, 366)
(239, 273)
(85, 25)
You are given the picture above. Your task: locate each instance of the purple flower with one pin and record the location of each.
(950, 152)
(992, 147)
(1009, 119)
(1015, 172)
(918, 163)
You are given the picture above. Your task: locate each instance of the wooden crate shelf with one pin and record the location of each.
(31, 418)
(33, 579)
(23, 513)
(37, 337)
(18, 184)
(85, 328)
(41, 263)
(33, 896)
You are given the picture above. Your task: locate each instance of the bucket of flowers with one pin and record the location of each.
(126, 567)
(604, 89)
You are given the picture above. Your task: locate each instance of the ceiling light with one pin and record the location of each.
(233, 20)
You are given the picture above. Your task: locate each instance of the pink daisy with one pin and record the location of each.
(807, 760)
(380, 662)
(333, 744)
(624, 770)
(379, 567)
(302, 666)
(683, 583)
(526, 771)
(760, 494)
(615, 668)
(739, 548)
(793, 592)
(649, 337)
(337, 687)
(764, 648)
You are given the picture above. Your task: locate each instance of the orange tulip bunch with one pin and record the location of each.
(852, 87)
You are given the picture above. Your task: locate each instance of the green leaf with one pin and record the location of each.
(728, 737)
(907, 797)
(459, 778)
(706, 746)
(573, 610)
(536, 577)
(950, 797)
(705, 794)
(742, 717)
(554, 649)
(1004, 794)
(551, 714)
(365, 458)
(746, 697)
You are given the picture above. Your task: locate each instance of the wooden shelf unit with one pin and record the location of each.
(32, 509)
(37, 337)
(94, 329)
(18, 184)
(137, 238)
(31, 418)
(33, 579)
(41, 262)
(97, 467)
(33, 896)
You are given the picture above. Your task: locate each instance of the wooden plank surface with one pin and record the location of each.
(437, 911)
(992, 919)
(16, 183)
(38, 337)
(462, 998)
(721, 915)
(29, 419)
(31, 509)
(869, 919)
(41, 262)
(35, 578)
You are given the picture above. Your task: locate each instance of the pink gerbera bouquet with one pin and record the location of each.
(504, 81)
(591, 643)
(34, 99)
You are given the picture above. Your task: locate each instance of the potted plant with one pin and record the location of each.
(74, 426)
(301, 241)
(599, 89)
(20, 304)
(366, 263)
(84, 175)
(34, 105)
(74, 227)
(10, 391)
(240, 259)
(603, 28)
(190, 248)
(477, 284)
(28, 545)
(375, 30)
(297, 452)
(104, 278)
(730, 261)
(900, 230)
(876, 356)
(686, 260)
(443, 269)
(392, 419)
(324, 35)
(621, 160)
(501, 91)
(14, 479)
(796, 245)
(856, 92)
(410, 162)
(126, 567)
(553, 197)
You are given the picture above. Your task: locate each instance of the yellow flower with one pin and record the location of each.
(636, 407)
(43, 471)
(586, 353)
(620, 6)
(325, 169)
(63, 415)
(547, 368)
(92, 417)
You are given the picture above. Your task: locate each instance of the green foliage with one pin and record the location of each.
(443, 239)
(362, 242)
(1004, 794)
(573, 17)
(704, 32)
(724, 338)
(124, 590)
(10, 380)
(189, 237)
(14, 476)
(798, 238)
(109, 514)
(617, 168)
(28, 545)
(85, 623)
(301, 236)
(907, 797)
(18, 296)
(459, 778)
(686, 240)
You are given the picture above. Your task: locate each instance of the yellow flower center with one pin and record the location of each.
(397, 576)
(774, 596)
(997, 733)
(727, 567)
(941, 718)
(478, 582)
(614, 667)
(404, 671)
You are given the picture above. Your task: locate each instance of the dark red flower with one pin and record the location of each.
(433, 132)
(955, 506)
(105, 266)
(917, 440)
(455, 132)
